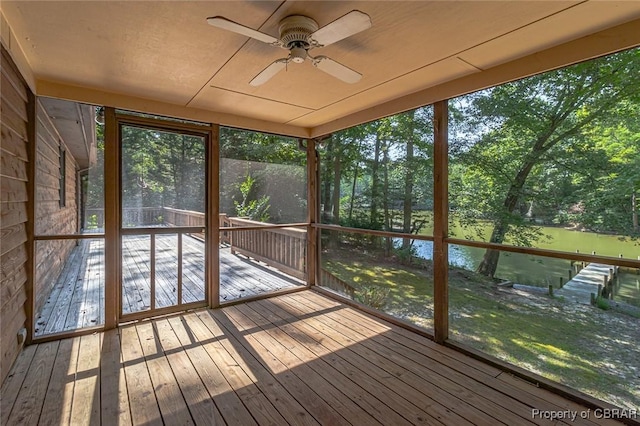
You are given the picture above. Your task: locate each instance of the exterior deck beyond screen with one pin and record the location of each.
(77, 299)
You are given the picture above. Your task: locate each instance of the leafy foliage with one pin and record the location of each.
(372, 295)
(248, 206)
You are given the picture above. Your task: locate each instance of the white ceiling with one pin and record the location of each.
(163, 56)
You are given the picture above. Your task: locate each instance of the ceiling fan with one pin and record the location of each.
(299, 34)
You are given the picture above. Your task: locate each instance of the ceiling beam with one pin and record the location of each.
(148, 106)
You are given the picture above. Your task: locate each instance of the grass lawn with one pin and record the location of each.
(583, 347)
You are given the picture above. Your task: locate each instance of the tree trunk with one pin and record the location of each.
(375, 183)
(353, 185)
(408, 191)
(388, 220)
(337, 171)
(326, 181)
(337, 176)
(353, 191)
(489, 263)
(182, 184)
(634, 211)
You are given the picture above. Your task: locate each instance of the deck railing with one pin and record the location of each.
(283, 248)
(131, 216)
(177, 217)
(331, 281)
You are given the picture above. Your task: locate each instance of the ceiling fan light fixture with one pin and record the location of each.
(298, 54)
(299, 34)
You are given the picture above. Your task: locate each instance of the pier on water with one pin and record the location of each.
(595, 279)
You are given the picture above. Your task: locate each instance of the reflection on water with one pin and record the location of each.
(522, 268)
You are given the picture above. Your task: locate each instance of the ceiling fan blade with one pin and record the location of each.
(266, 74)
(343, 27)
(225, 24)
(336, 69)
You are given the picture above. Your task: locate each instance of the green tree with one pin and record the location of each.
(522, 127)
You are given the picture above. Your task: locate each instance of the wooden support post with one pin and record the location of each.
(212, 230)
(112, 248)
(550, 290)
(561, 282)
(179, 295)
(599, 295)
(440, 221)
(152, 272)
(593, 299)
(32, 152)
(313, 252)
(570, 274)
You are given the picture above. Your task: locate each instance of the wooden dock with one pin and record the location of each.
(586, 282)
(77, 299)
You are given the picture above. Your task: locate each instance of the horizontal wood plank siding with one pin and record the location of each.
(51, 217)
(13, 210)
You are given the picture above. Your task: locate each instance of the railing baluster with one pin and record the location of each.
(152, 275)
(179, 268)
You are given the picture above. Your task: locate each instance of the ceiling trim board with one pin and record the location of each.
(236, 92)
(10, 42)
(116, 100)
(396, 88)
(608, 41)
(230, 58)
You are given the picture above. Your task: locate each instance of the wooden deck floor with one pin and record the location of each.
(299, 359)
(77, 299)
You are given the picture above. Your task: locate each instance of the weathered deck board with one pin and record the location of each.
(470, 373)
(291, 359)
(77, 299)
(59, 398)
(85, 407)
(195, 393)
(374, 358)
(229, 403)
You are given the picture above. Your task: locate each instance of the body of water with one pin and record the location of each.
(543, 271)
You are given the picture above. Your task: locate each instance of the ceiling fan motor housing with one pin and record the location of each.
(295, 32)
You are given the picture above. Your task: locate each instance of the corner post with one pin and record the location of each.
(212, 237)
(32, 154)
(111, 218)
(440, 221)
(312, 213)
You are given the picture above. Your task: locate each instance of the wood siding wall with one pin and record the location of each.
(14, 198)
(51, 217)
